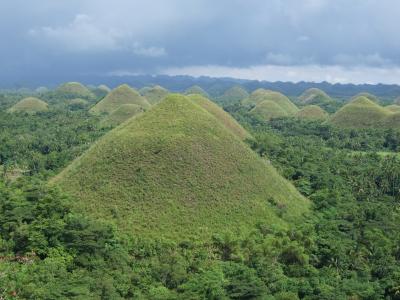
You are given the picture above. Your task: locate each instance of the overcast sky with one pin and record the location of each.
(290, 40)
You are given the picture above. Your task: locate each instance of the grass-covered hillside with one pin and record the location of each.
(123, 94)
(121, 114)
(177, 171)
(266, 110)
(393, 108)
(233, 94)
(369, 96)
(29, 105)
(154, 94)
(312, 112)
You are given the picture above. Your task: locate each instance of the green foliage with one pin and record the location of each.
(312, 112)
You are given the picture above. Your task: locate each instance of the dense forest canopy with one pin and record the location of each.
(345, 247)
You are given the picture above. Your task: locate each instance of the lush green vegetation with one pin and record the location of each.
(29, 105)
(347, 247)
(154, 94)
(281, 100)
(312, 112)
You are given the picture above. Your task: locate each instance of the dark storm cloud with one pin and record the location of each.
(66, 39)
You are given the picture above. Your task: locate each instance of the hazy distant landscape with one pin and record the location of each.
(199, 150)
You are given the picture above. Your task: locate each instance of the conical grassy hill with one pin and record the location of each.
(393, 108)
(176, 171)
(314, 95)
(121, 114)
(369, 96)
(73, 90)
(226, 119)
(360, 113)
(312, 112)
(234, 94)
(267, 110)
(154, 94)
(29, 105)
(261, 95)
(123, 94)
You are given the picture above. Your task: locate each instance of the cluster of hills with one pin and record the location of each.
(180, 169)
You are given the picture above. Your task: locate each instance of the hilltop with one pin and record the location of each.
(312, 112)
(369, 96)
(361, 112)
(29, 105)
(226, 119)
(74, 90)
(195, 89)
(393, 108)
(314, 96)
(267, 110)
(123, 94)
(121, 114)
(154, 94)
(261, 95)
(176, 171)
(233, 94)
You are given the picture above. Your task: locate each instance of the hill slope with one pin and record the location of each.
(121, 114)
(359, 113)
(226, 119)
(312, 112)
(123, 94)
(267, 110)
(393, 108)
(154, 94)
(234, 94)
(314, 95)
(176, 171)
(260, 95)
(369, 96)
(29, 105)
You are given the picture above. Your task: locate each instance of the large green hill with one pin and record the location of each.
(195, 89)
(123, 94)
(29, 105)
(260, 95)
(233, 94)
(360, 113)
(154, 94)
(369, 96)
(176, 171)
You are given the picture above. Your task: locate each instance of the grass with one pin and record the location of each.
(314, 95)
(393, 108)
(195, 89)
(123, 94)
(104, 88)
(74, 90)
(226, 119)
(261, 95)
(29, 105)
(176, 171)
(121, 114)
(369, 96)
(267, 110)
(154, 94)
(312, 112)
(361, 112)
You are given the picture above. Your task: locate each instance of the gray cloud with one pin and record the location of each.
(63, 39)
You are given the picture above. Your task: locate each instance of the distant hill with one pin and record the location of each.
(121, 114)
(104, 88)
(393, 108)
(361, 112)
(77, 103)
(29, 105)
(154, 94)
(233, 94)
(312, 112)
(371, 97)
(176, 171)
(195, 89)
(123, 94)
(74, 90)
(314, 96)
(261, 95)
(226, 119)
